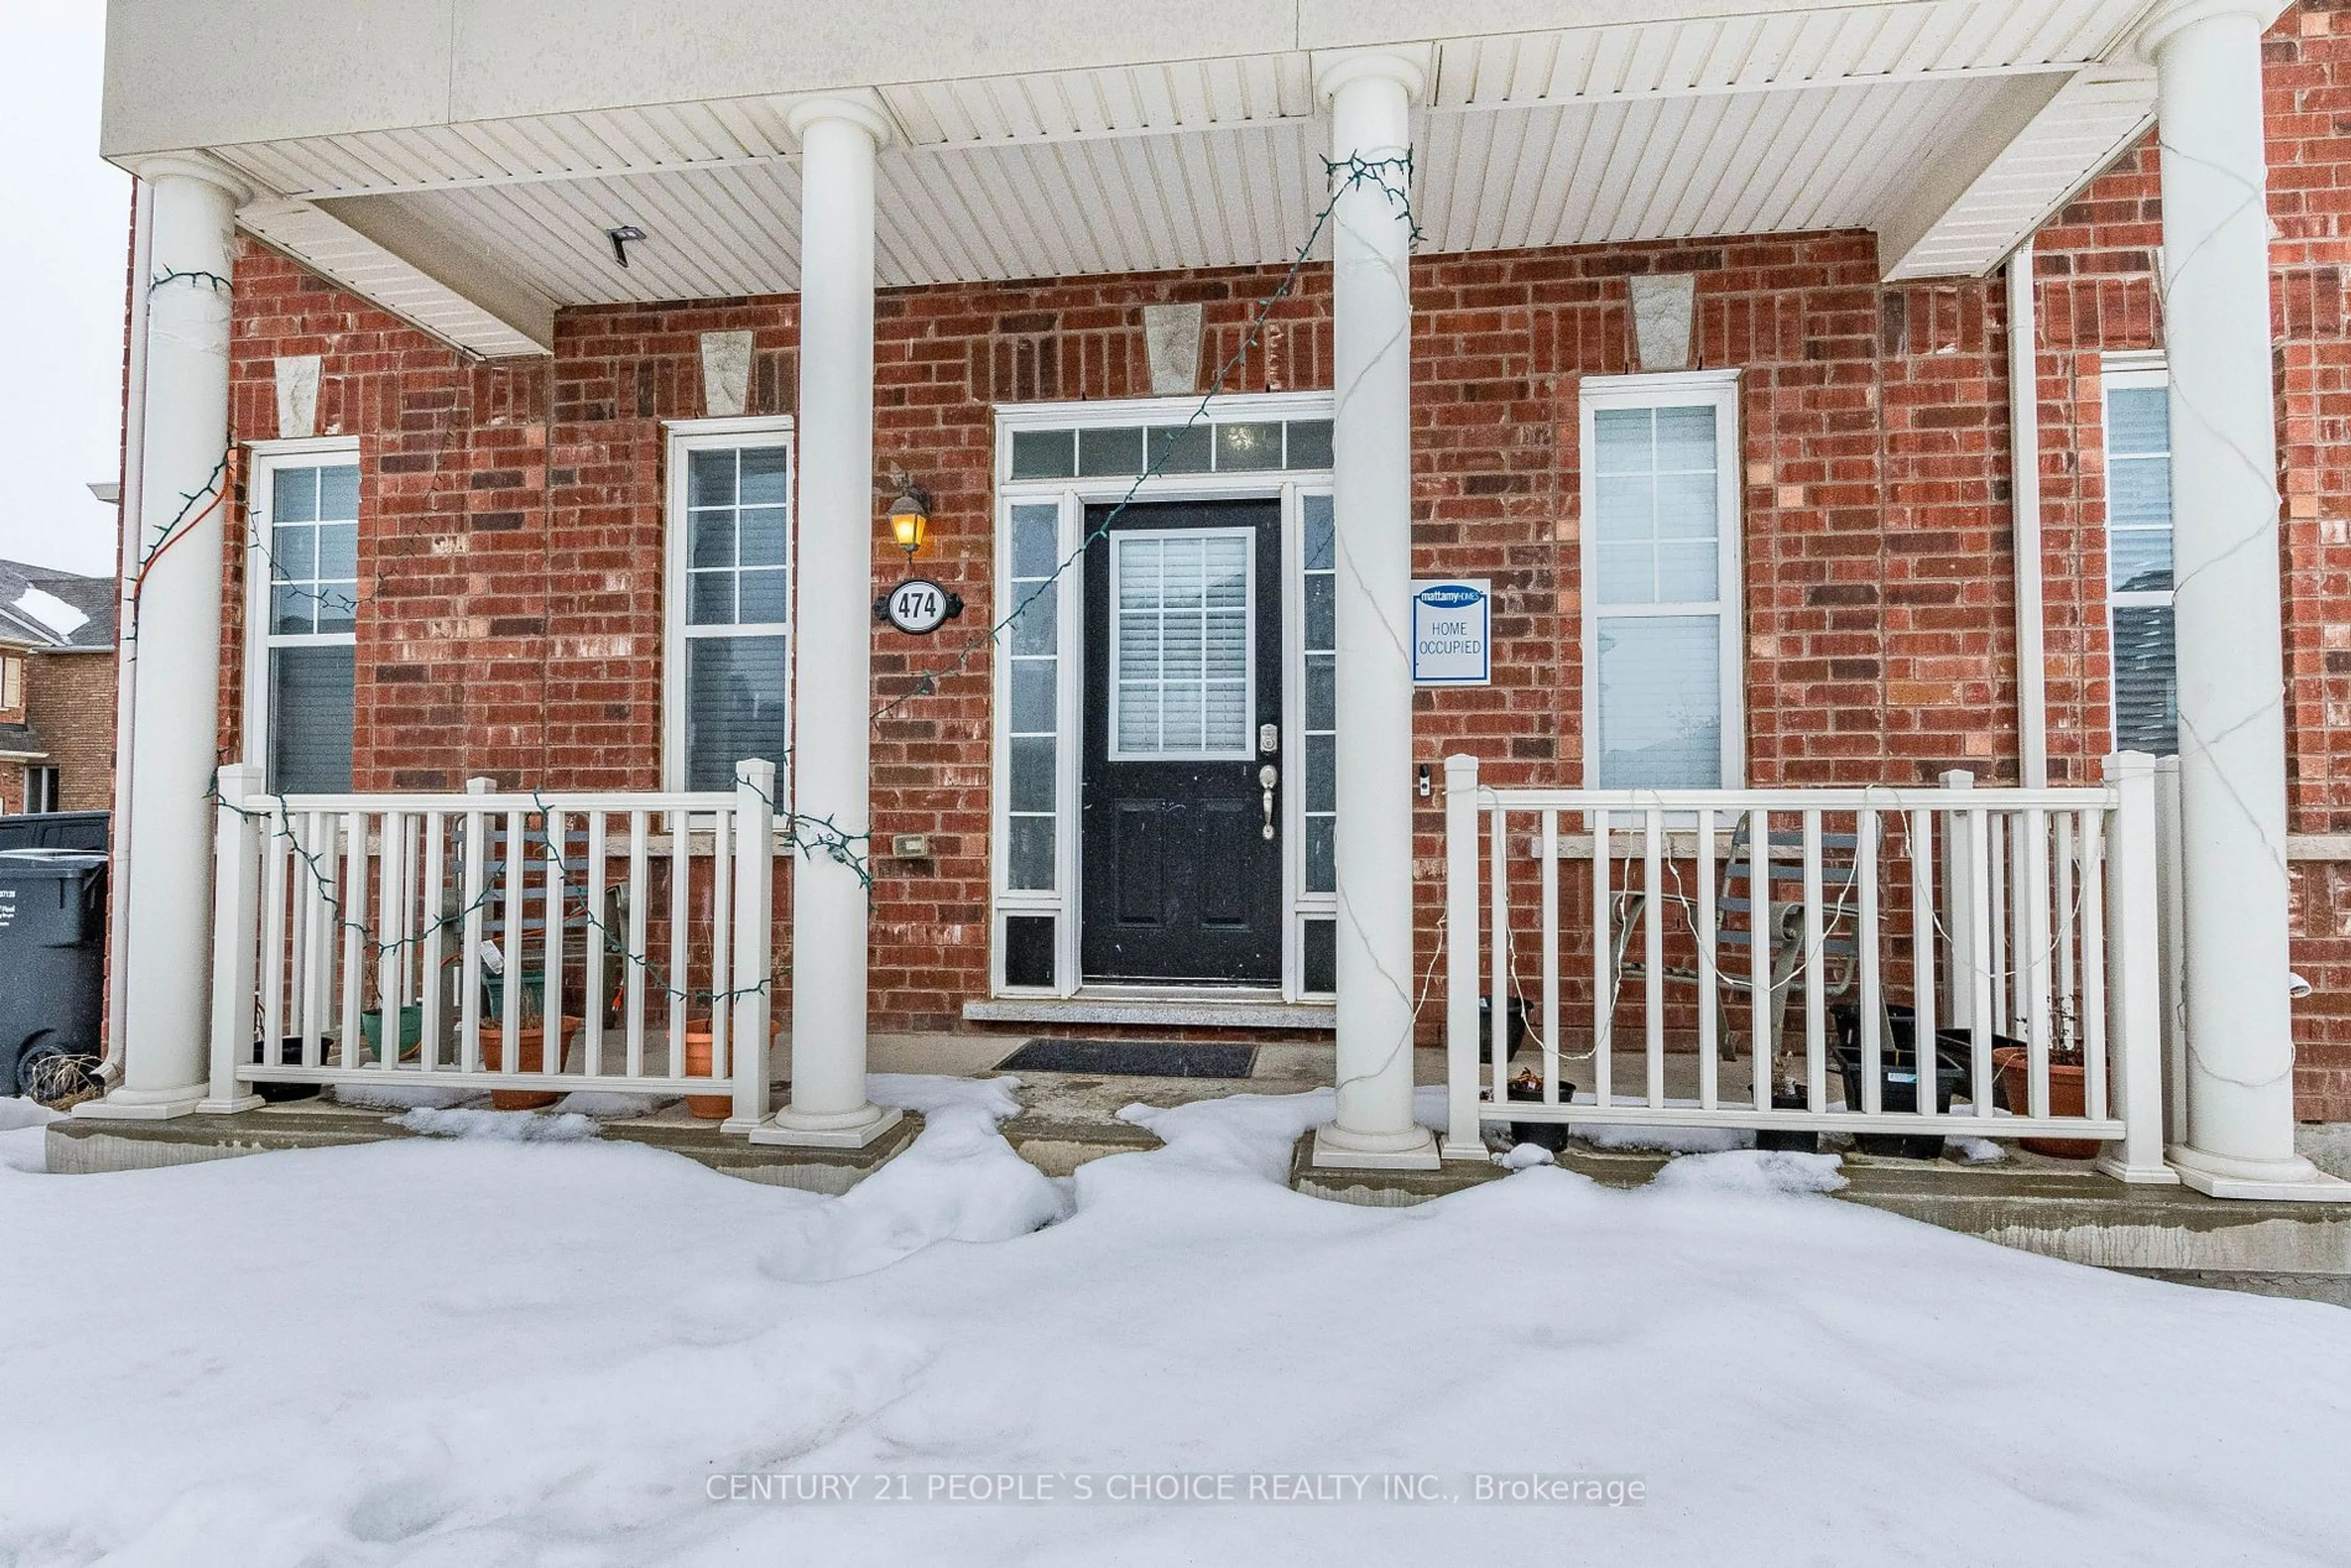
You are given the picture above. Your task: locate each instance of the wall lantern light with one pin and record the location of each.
(910, 515)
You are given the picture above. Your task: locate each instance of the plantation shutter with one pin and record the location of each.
(734, 707)
(2139, 562)
(311, 719)
(2147, 683)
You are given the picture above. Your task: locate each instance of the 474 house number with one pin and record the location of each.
(918, 606)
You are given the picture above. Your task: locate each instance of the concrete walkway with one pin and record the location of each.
(2058, 1208)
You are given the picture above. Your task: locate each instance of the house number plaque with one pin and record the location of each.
(918, 606)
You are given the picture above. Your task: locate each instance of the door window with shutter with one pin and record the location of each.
(729, 602)
(1660, 553)
(303, 579)
(2139, 556)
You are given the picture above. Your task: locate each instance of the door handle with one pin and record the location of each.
(1267, 777)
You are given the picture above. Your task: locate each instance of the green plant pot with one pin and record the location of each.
(412, 1029)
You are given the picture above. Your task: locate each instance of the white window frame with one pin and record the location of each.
(2137, 370)
(1718, 390)
(689, 435)
(46, 773)
(260, 490)
(1074, 496)
(1247, 750)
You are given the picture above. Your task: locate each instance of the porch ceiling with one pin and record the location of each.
(1950, 127)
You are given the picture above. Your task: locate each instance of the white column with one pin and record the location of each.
(166, 945)
(2239, 1111)
(1371, 99)
(832, 694)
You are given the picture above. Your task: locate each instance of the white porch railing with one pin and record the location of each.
(446, 940)
(2016, 929)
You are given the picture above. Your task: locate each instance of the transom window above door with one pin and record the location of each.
(1181, 662)
(1203, 446)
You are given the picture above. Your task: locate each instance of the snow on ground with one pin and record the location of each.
(476, 1349)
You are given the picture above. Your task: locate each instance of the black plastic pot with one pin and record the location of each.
(1898, 1068)
(1551, 1135)
(1804, 1143)
(1518, 1027)
(290, 1054)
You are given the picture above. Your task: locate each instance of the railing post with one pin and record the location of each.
(753, 962)
(2171, 959)
(236, 912)
(1959, 855)
(1461, 1138)
(2134, 991)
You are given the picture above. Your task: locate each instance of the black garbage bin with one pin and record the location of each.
(55, 830)
(52, 962)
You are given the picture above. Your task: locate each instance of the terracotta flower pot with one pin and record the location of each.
(2068, 1095)
(530, 1056)
(709, 1107)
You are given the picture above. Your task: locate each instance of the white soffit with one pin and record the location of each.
(2093, 119)
(1782, 49)
(335, 250)
(1832, 117)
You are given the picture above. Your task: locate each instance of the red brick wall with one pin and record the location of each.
(511, 558)
(69, 702)
(2098, 295)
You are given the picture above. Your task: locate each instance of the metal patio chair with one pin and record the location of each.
(1783, 925)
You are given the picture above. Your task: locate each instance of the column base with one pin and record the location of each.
(144, 1104)
(228, 1107)
(849, 1130)
(1451, 1151)
(2136, 1175)
(2295, 1180)
(1337, 1148)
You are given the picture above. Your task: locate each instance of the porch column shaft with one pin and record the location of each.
(831, 754)
(2207, 55)
(1371, 99)
(175, 689)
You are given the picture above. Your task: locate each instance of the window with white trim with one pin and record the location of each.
(1662, 697)
(303, 585)
(41, 792)
(727, 617)
(2138, 555)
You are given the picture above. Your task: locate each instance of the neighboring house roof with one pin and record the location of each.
(45, 608)
(18, 740)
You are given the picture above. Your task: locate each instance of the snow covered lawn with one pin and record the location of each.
(490, 1350)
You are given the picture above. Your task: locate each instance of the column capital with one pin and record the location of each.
(193, 166)
(1407, 66)
(860, 108)
(2169, 17)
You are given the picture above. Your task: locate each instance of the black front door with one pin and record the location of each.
(1181, 823)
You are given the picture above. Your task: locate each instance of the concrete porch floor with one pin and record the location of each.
(2061, 1208)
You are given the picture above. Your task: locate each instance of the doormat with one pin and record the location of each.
(1133, 1058)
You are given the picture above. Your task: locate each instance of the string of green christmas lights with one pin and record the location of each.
(808, 833)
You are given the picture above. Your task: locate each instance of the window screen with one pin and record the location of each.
(1655, 558)
(309, 538)
(734, 579)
